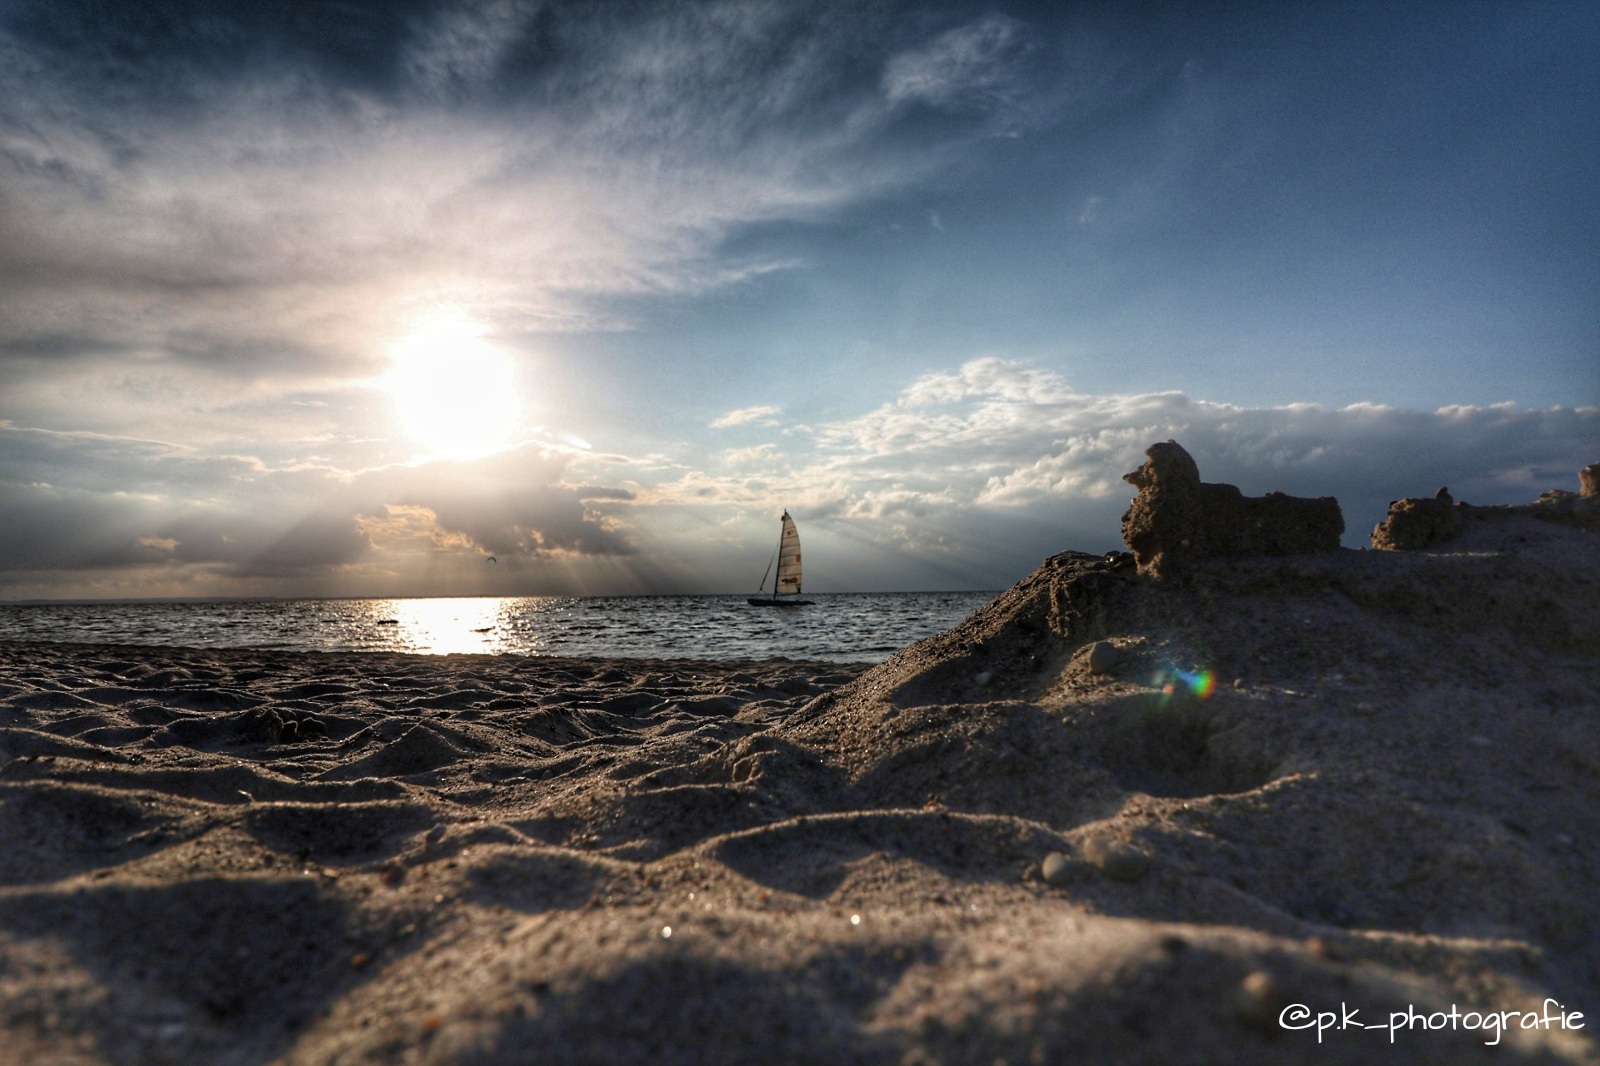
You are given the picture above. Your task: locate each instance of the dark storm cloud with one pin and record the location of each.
(53, 346)
(92, 461)
(74, 501)
(48, 528)
(511, 504)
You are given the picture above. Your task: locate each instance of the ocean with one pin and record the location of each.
(840, 627)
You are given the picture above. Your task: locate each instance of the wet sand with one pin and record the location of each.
(1103, 820)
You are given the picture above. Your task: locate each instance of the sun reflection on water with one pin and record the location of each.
(466, 625)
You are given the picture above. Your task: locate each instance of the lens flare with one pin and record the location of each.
(1174, 682)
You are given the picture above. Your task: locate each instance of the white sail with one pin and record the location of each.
(788, 559)
(786, 585)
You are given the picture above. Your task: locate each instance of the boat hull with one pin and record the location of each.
(769, 601)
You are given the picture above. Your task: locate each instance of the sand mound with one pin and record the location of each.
(1107, 819)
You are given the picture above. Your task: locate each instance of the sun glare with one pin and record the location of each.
(453, 392)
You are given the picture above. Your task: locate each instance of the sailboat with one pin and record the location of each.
(786, 586)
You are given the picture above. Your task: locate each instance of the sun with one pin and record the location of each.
(453, 391)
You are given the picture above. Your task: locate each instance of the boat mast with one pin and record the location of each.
(779, 556)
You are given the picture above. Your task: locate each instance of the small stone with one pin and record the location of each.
(983, 678)
(1257, 999)
(1056, 869)
(1103, 657)
(1116, 859)
(1323, 948)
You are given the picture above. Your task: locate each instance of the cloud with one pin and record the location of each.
(985, 451)
(461, 49)
(289, 194)
(968, 477)
(746, 415)
(86, 502)
(206, 220)
(513, 504)
(970, 67)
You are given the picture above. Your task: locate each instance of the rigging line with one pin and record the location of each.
(763, 585)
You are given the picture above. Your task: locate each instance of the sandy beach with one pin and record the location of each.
(1104, 820)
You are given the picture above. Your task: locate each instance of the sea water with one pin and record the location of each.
(841, 627)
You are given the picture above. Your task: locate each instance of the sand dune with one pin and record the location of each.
(1104, 820)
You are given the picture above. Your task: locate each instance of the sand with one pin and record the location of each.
(1042, 837)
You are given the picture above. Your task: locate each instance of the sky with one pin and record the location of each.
(352, 298)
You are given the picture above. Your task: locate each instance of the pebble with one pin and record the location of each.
(1323, 948)
(1116, 859)
(983, 678)
(1103, 657)
(1257, 999)
(1056, 869)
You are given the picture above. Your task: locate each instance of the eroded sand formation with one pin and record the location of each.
(1177, 518)
(1414, 524)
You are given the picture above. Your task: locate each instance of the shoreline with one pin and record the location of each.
(841, 628)
(132, 650)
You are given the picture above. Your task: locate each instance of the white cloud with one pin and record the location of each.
(745, 416)
(761, 453)
(993, 443)
(971, 66)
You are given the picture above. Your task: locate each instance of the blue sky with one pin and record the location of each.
(342, 299)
